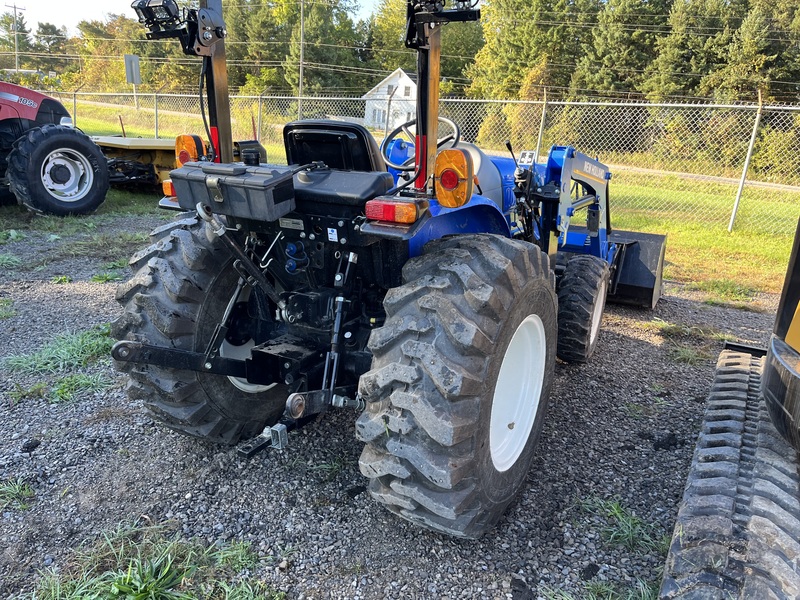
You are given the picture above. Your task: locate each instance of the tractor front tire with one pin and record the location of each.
(459, 384)
(182, 285)
(582, 295)
(58, 170)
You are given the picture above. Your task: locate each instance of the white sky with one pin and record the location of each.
(71, 12)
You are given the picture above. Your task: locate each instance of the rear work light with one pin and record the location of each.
(188, 148)
(393, 211)
(453, 177)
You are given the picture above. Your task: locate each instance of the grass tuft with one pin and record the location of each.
(11, 235)
(146, 562)
(689, 355)
(19, 393)
(725, 290)
(72, 385)
(61, 279)
(9, 261)
(15, 493)
(106, 277)
(65, 352)
(622, 527)
(7, 308)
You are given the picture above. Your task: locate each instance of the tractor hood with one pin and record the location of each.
(31, 105)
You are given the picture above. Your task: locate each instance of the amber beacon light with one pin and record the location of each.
(453, 176)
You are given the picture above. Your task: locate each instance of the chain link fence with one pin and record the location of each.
(727, 166)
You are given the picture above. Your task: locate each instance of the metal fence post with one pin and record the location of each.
(75, 104)
(260, 108)
(541, 127)
(155, 108)
(747, 162)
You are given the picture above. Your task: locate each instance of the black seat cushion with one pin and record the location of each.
(339, 144)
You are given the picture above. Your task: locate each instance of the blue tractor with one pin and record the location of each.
(421, 282)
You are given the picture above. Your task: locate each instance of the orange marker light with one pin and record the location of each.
(392, 211)
(168, 188)
(188, 148)
(453, 177)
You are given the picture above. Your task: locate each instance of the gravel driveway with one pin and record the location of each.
(620, 428)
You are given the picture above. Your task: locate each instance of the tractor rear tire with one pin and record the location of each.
(582, 295)
(181, 287)
(459, 384)
(58, 170)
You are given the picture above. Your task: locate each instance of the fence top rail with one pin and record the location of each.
(624, 104)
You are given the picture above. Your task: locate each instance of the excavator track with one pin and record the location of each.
(737, 533)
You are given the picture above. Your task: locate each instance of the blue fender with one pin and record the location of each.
(480, 215)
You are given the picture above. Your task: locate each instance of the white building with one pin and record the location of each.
(392, 102)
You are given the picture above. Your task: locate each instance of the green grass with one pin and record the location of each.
(106, 277)
(9, 261)
(602, 590)
(15, 493)
(61, 279)
(330, 469)
(36, 391)
(12, 235)
(700, 251)
(7, 308)
(70, 386)
(621, 527)
(66, 351)
(137, 562)
(117, 264)
(108, 247)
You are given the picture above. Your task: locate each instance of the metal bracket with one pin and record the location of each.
(276, 437)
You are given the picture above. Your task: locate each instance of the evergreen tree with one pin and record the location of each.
(9, 31)
(621, 47)
(749, 67)
(517, 36)
(50, 43)
(700, 33)
(330, 52)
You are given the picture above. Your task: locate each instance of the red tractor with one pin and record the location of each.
(47, 164)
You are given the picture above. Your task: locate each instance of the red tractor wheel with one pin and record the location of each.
(58, 170)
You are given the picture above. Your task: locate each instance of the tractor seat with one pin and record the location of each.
(491, 182)
(340, 145)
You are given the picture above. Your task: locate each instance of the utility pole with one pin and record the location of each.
(302, 50)
(16, 33)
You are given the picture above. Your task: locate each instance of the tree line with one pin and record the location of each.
(657, 50)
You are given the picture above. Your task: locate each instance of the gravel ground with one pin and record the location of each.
(622, 427)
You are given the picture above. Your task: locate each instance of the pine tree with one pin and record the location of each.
(518, 34)
(700, 32)
(621, 47)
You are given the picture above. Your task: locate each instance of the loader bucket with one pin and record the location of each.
(638, 278)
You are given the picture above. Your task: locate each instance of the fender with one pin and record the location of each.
(480, 215)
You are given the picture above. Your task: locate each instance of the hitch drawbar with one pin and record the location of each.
(299, 405)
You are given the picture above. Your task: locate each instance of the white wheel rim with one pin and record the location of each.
(597, 315)
(67, 175)
(228, 350)
(517, 393)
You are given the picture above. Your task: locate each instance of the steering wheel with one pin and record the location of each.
(451, 138)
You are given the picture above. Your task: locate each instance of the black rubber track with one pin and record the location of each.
(181, 286)
(738, 528)
(429, 392)
(583, 285)
(25, 163)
